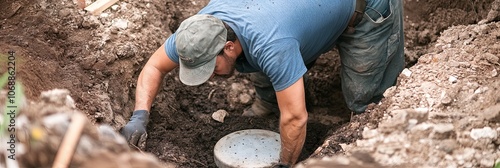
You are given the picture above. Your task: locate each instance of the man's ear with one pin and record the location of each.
(232, 48)
(229, 45)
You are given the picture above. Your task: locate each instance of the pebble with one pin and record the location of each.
(406, 72)
(58, 97)
(448, 145)
(245, 98)
(487, 162)
(485, 132)
(491, 58)
(103, 15)
(369, 133)
(120, 23)
(492, 114)
(443, 131)
(446, 100)
(466, 155)
(237, 87)
(421, 130)
(64, 12)
(452, 79)
(126, 50)
(420, 114)
(219, 115)
(115, 7)
(397, 122)
(390, 92)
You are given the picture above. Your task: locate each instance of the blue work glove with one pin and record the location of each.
(135, 130)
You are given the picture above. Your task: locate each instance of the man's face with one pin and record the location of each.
(224, 66)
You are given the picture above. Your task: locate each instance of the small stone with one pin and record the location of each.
(369, 133)
(115, 7)
(412, 123)
(464, 35)
(448, 145)
(219, 115)
(390, 91)
(237, 87)
(345, 147)
(420, 114)
(480, 90)
(126, 50)
(487, 162)
(492, 113)
(90, 22)
(466, 155)
(59, 97)
(452, 79)
(406, 72)
(446, 100)
(420, 131)
(491, 58)
(443, 131)
(397, 122)
(245, 99)
(120, 23)
(64, 12)
(104, 15)
(86, 24)
(485, 132)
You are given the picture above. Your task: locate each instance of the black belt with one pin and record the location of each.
(357, 16)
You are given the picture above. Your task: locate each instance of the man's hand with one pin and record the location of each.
(135, 130)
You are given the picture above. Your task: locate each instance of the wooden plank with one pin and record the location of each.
(100, 5)
(70, 141)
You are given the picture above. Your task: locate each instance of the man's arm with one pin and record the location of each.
(150, 78)
(148, 85)
(293, 121)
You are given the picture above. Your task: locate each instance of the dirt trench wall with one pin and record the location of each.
(426, 19)
(97, 58)
(444, 111)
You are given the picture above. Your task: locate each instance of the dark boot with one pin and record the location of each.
(260, 108)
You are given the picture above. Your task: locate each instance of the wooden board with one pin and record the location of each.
(100, 5)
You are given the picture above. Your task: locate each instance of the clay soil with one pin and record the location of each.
(98, 59)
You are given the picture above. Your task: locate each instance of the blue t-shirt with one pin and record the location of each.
(279, 37)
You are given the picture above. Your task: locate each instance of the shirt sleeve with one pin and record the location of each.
(170, 48)
(282, 62)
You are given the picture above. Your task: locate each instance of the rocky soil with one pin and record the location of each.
(453, 116)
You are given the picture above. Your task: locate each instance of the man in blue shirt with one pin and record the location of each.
(278, 40)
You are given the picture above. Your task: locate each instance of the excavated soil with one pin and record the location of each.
(98, 59)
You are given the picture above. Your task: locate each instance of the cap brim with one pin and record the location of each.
(196, 76)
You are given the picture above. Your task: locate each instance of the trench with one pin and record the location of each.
(188, 135)
(180, 128)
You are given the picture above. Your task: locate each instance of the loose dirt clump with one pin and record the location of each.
(41, 126)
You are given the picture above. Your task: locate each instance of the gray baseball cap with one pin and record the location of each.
(199, 39)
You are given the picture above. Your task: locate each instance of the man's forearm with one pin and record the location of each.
(293, 135)
(148, 85)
